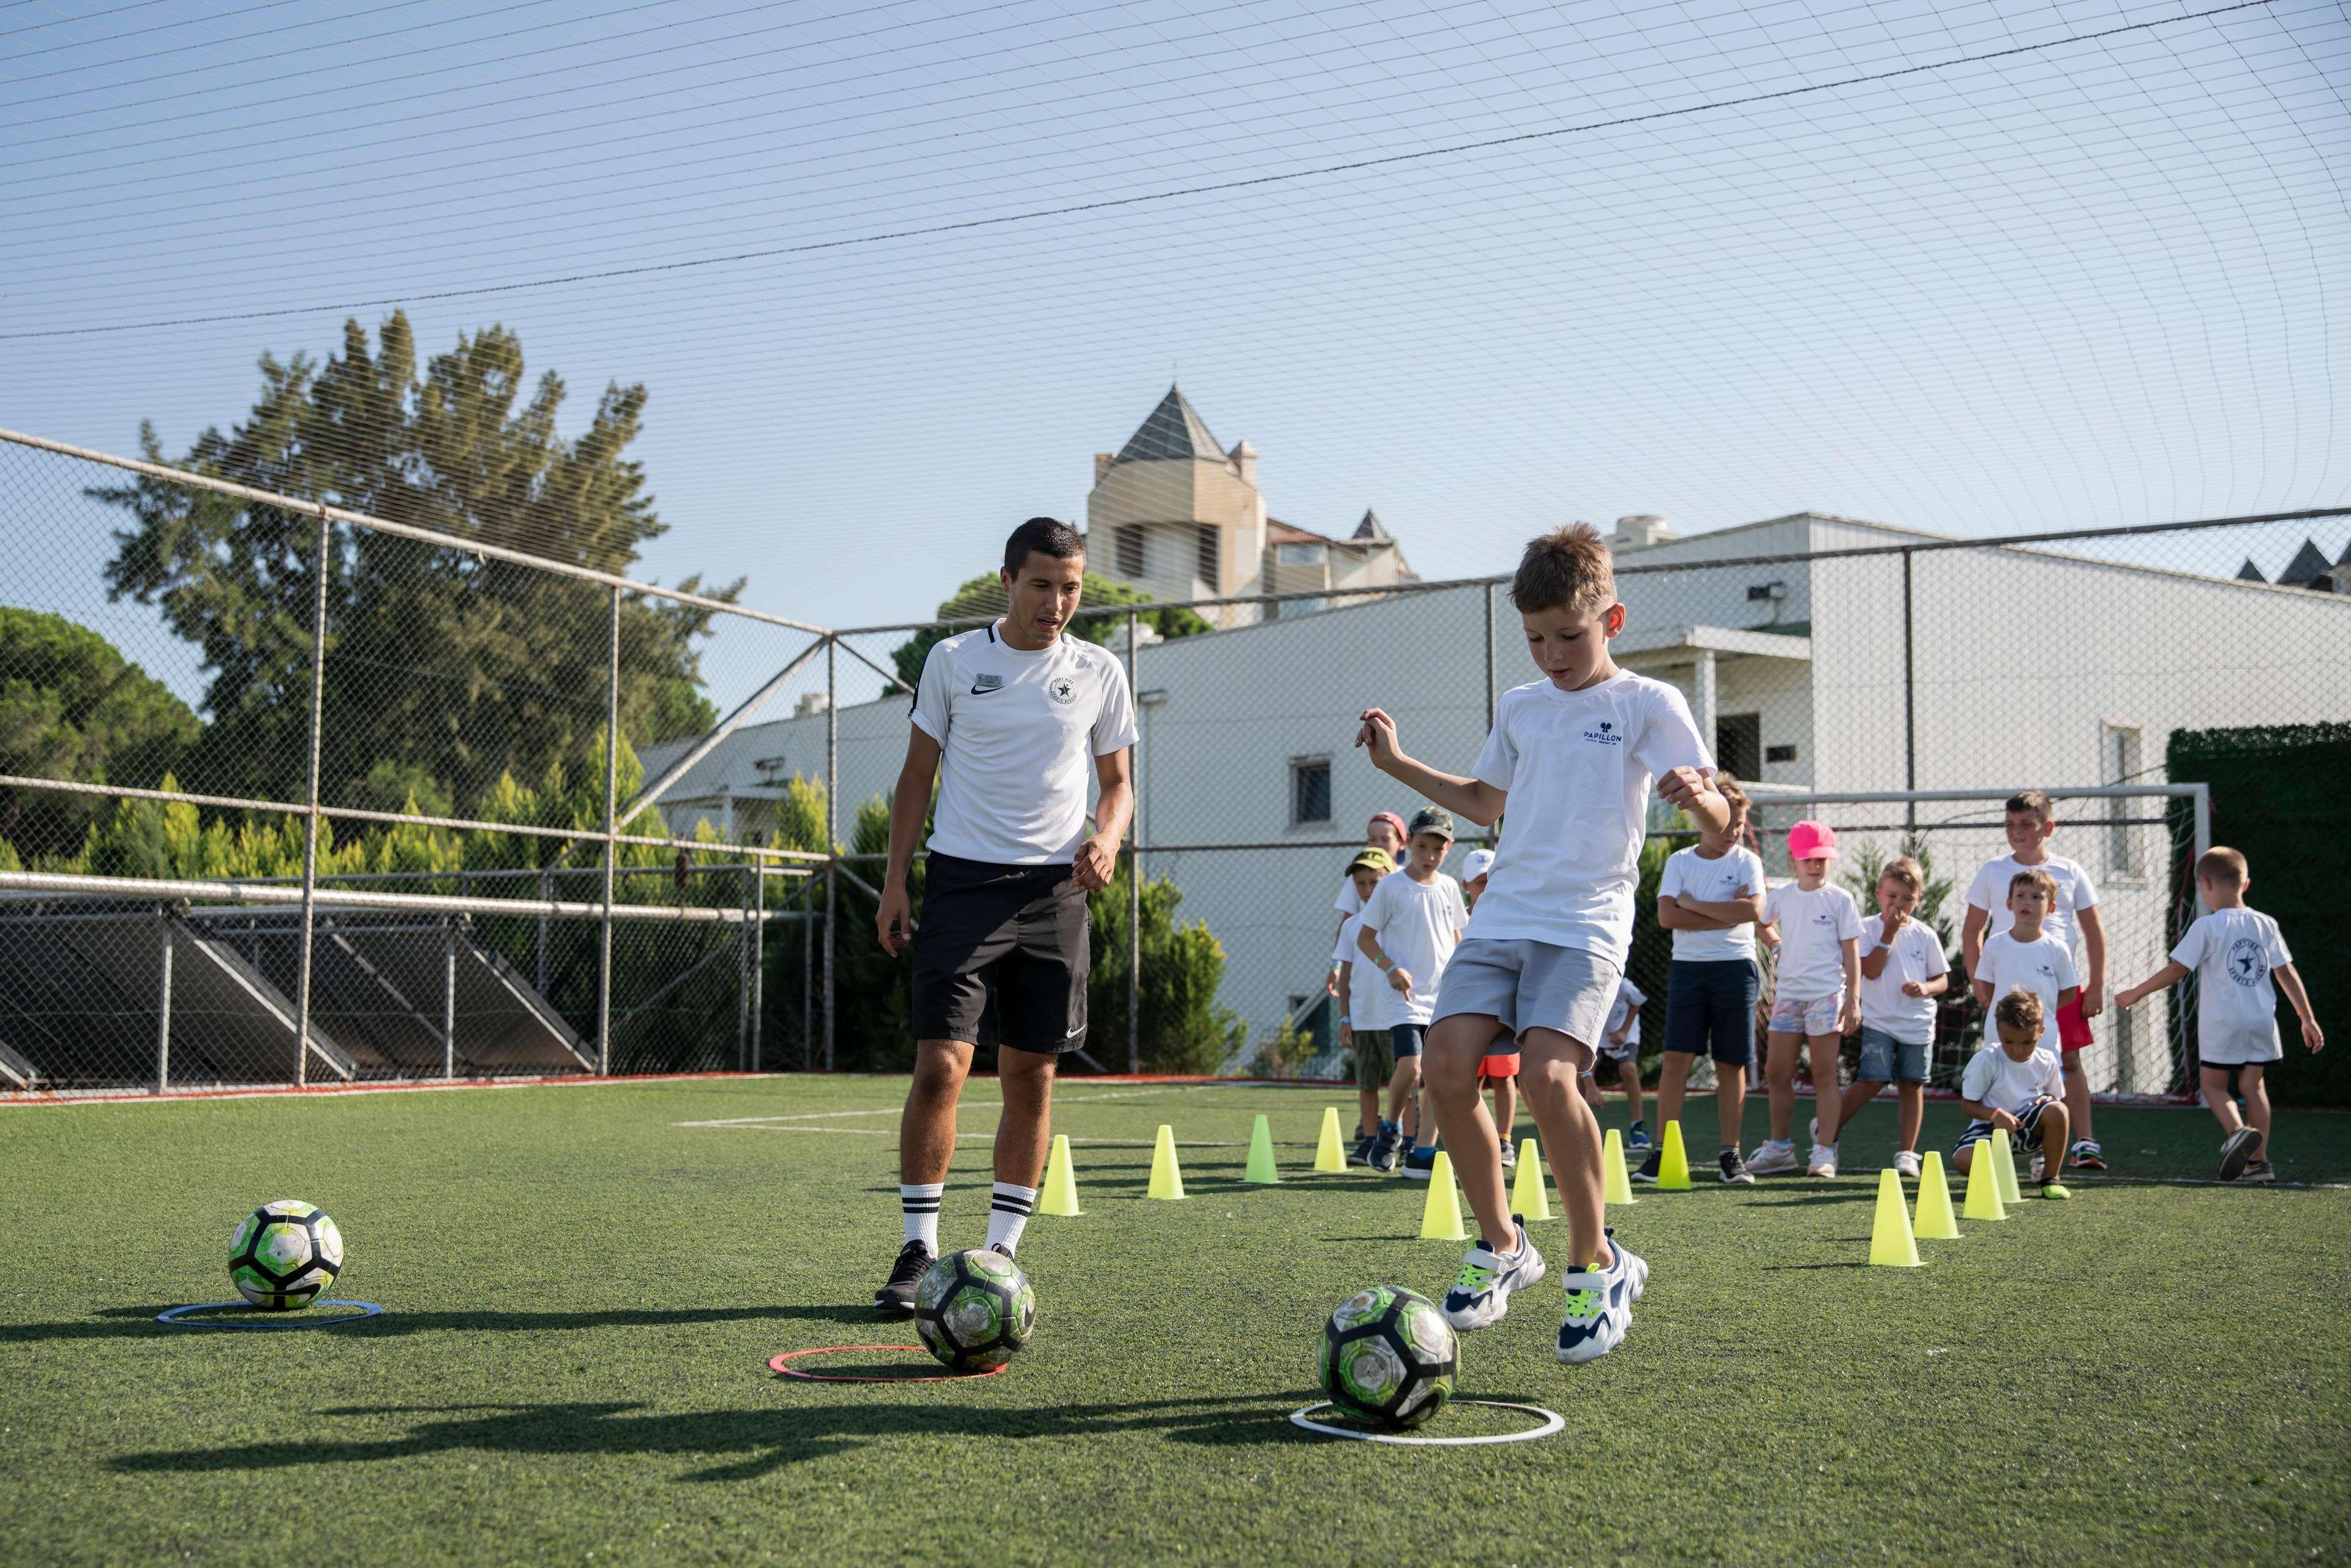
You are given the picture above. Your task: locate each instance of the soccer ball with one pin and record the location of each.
(284, 1254)
(1389, 1357)
(974, 1309)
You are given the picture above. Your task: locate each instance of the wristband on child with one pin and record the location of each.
(1345, 1019)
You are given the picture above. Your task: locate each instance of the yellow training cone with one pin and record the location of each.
(1616, 1184)
(1329, 1153)
(1672, 1164)
(1983, 1187)
(1260, 1155)
(1890, 1243)
(1166, 1179)
(1440, 1217)
(2003, 1165)
(1060, 1194)
(1934, 1221)
(1529, 1199)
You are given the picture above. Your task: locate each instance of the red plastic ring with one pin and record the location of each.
(781, 1363)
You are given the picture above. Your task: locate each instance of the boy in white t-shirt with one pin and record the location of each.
(1574, 757)
(1815, 997)
(1710, 897)
(2017, 1085)
(1384, 832)
(2240, 963)
(1903, 971)
(1621, 1046)
(2030, 818)
(2027, 955)
(1408, 929)
(1362, 1034)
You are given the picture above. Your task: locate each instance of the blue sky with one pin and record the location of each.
(2091, 283)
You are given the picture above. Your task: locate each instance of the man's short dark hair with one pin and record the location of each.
(1042, 536)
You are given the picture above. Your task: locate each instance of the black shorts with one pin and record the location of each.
(1013, 933)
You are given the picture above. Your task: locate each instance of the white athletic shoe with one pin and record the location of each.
(2040, 1164)
(1905, 1163)
(1482, 1293)
(1774, 1155)
(1823, 1160)
(1600, 1305)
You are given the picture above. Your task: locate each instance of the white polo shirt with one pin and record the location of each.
(1018, 734)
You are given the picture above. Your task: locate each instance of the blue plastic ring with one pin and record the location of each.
(177, 1316)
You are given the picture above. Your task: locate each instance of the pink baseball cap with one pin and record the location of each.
(1812, 840)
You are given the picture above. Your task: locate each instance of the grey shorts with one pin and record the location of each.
(1531, 985)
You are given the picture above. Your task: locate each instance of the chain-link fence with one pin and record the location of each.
(280, 771)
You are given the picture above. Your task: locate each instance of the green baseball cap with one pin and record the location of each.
(1372, 859)
(1431, 820)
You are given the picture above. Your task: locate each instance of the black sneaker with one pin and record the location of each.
(2259, 1171)
(2237, 1152)
(897, 1296)
(1648, 1171)
(1382, 1157)
(1000, 1247)
(1362, 1155)
(1734, 1169)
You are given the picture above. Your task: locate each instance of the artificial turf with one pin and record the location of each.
(582, 1290)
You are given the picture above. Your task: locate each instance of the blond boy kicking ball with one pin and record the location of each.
(2016, 1085)
(2240, 963)
(1574, 755)
(2029, 820)
(1815, 997)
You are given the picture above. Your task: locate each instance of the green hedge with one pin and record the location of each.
(2273, 798)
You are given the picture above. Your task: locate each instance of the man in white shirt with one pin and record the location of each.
(1008, 718)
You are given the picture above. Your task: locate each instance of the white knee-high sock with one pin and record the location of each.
(920, 1203)
(1007, 1215)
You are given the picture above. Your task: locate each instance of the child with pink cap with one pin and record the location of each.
(1815, 996)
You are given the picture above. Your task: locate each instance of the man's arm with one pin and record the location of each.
(1098, 857)
(1981, 991)
(1464, 797)
(1971, 937)
(2290, 982)
(893, 922)
(2093, 956)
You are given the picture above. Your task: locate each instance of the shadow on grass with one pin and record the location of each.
(745, 1444)
(139, 1322)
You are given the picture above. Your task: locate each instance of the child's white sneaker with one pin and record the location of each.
(2040, 1165)
(1482, 1292)
(1774, 1155)
(1905, 1163)
(1600, 1305)
(1823, 1160)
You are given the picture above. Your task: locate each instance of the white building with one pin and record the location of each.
(2030, 667)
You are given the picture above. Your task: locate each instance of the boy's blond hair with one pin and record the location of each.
(1727, 786)
(2222, 867)
(1568, 566)
(2037, 802)
(2033, 876)
(1907, 871)
(2019, 1009)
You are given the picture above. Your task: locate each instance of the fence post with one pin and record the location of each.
(449, 997)
(808, 973)
(742, 973)
(832, 831)
(1909, 704)
(163, 1009)
(545, 895)
(1135, 870)
(310, 818)
(759, 958)
(611, 841)
(1491, 696)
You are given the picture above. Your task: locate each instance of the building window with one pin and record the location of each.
(1296, 554)
(1739, 744)
(1206, 566)
(1310, 792)
(1780, 752)
(1129, 537)
(2118, 763)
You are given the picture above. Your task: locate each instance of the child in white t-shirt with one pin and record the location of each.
(1621, 1046)
(1815, 997)
(2016, 1084)
(2240, 963)
(2026, 955)
(1384, 833)
(1575, 757)
(1903, 971)
(1409, 928)
(1362, 1034)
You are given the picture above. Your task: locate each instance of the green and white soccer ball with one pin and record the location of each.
(285, 1254)
(974, 1309)
(1389, 1357)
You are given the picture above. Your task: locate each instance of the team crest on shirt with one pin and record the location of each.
(2247, 962)
(1606, 734)
(1063, 689)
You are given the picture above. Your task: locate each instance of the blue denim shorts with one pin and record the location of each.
(1884, 1059)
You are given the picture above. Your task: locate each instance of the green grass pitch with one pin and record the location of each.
(584, 1286)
